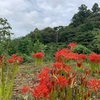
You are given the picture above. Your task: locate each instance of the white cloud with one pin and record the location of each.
(26, 15)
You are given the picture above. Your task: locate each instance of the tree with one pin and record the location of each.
(4, 29)
(5, 34)
(96, 8)
(83, 7)
(81, 16)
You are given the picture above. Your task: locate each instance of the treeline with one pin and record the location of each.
(84, 29)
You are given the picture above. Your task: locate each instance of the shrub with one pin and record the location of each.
(82, 49)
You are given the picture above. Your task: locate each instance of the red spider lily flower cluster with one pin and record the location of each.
(72, 44)
(60, 54)
(66, 75)
(61, 80)
(14, 58)
(38, 55)
(95, 58)
(94, 84)
(43, 88)
(24, 89)
(58, 65)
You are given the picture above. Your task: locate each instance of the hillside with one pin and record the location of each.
(84, 29)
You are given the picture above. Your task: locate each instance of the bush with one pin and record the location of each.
(81, 49)
(27, 58)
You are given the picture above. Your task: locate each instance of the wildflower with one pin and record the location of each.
(60, 54)
(79, 59)
(94, 84)
(44, 73)
(72, 44)
(58, 65)
(10, 60)
(24, 89)
(19, 59)
(38, 55)
(82, 56)
(71, 55)
(61, 80)
(41, 91)
(14, 56)
(95, 58)
(67, 68)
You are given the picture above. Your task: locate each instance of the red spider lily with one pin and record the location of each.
(61, 80)
(71, 55)
(65, 54)
(10, 60)
(41, 91)
(24, 89)
(79, 59)
(46, 69)
(19, 59)
(95, 58)
(38, 55)
(44, 73)
(81, 56)
(67, 68)
(60, 53)
(44, 86)
(94, 84)
(14, 56)
(72, 44)
(58, 65)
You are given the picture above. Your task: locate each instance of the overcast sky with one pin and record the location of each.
(26, 15)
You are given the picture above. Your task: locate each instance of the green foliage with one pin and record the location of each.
(95, 8)
(5, 34)
(95, 44)
(27, 58)
(38, 46)
(84, 38)
(81, 16)
(24, 46)
(82, 49)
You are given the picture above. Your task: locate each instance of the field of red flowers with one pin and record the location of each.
(71, 76)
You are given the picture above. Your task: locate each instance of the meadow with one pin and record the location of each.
(70, 76)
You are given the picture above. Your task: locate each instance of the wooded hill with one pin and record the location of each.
(84, 29)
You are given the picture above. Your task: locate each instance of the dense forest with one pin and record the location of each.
(84, 29)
